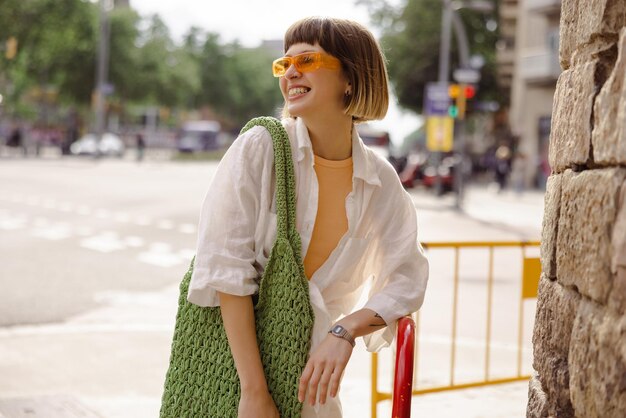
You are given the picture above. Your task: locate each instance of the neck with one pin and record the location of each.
(331, 138)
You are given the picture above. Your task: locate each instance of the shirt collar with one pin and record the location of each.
(363, 162)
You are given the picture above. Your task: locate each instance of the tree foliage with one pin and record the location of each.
(58, 47)
(411, 34)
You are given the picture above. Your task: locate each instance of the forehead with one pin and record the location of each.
(302, 47)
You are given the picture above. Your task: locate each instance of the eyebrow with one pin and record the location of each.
(301, 52)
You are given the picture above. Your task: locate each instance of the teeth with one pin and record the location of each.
(298, 90)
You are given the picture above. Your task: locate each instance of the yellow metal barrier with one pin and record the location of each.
(531, 270)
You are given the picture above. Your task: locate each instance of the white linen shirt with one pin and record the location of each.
(237, 230)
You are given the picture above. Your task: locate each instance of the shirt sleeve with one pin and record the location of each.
(398, 290)
(225, 251)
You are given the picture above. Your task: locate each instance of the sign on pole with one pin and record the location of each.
(439, 131)
(436, 100)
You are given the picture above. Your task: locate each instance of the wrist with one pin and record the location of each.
(253, 386)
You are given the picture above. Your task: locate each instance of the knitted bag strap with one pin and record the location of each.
(285, 179)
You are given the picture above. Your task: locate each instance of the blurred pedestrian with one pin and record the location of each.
(518, 172)
(16, 140)
(502, 166)
(354, 218)
(141, 145)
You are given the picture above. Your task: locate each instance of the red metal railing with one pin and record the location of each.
(403, 377)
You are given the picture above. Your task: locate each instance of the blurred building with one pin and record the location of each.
(536, 69)
(505, 48)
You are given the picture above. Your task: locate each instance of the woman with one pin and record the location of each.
(355, 220)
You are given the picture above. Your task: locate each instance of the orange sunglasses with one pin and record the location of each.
(305, 62)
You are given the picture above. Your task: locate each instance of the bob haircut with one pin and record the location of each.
(362, 62)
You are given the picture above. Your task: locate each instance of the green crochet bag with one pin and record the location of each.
(202, 380)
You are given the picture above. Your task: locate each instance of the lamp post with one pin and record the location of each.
(447, 16)
(102, 67)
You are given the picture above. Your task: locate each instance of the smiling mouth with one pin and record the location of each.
(297, 91)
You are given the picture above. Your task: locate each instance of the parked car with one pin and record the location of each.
(375, 139)
(109, 145)
(446, 170)
(412, 172)
(202, 135)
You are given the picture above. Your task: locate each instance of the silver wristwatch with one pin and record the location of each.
(341, 332)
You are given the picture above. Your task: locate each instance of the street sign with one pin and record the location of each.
(436, 99)
(439, 133)
(466, 75)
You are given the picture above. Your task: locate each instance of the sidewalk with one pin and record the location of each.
(110, 362)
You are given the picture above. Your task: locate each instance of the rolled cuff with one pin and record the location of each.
(390, 311)
(207, 282)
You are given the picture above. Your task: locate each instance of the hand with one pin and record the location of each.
(324, 369)
(257, 404)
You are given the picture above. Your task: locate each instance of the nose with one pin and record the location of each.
(292, 72)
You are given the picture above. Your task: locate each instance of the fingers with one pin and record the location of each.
(324, 382)
(334, 383)
(304, 381)
(313, 383)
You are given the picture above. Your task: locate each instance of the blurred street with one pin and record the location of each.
(92, 254)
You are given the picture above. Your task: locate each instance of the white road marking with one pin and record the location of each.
(187, 253)
(160, 254)
(41, 222)
(105, 242)
(142, 221)
(165, 224)
(122, 217)
(53, 232)
(84, 231)
(83, 210)
(66, 207)
(187, 228)
(49, 204)
(134, 242)
(11, 223)
(103, 213)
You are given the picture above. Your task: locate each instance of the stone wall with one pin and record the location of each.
(579, 339)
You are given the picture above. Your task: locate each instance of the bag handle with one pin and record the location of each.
(285, 178)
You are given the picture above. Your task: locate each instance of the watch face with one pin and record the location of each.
(337, 329)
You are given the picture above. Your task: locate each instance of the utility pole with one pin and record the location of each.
(102, 68)
(448, 13)
(444, 71)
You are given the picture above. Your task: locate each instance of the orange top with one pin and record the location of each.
(331, 223)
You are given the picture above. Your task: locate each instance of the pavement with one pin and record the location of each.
(109, 362)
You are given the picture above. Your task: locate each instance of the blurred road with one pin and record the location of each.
(93, 251)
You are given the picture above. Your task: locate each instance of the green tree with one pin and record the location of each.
(56, 46)
(411, 34)
(237, 82)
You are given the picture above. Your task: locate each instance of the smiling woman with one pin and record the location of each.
(353, 224)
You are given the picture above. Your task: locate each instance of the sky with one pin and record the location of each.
(252, 21)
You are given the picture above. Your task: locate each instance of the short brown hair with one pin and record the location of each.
(361, 58)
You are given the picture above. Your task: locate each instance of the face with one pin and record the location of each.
(314, 92)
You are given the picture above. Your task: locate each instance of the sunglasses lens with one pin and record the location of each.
(306, 62)
(280, 66)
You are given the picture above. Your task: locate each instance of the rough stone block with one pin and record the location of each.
(550, 223)
(570, 139)
(609, 133)
(556, 310)
(586, 21)
(555, 382)
(588, 210)
(617, 299)
(597, 362)
(537, 401)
